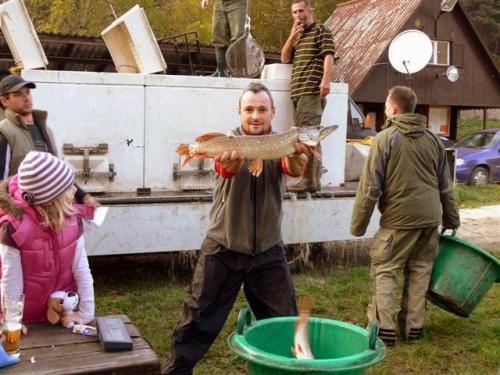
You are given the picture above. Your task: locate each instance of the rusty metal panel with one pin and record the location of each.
(363, 30)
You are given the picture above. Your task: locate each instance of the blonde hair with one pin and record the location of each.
(54, 212)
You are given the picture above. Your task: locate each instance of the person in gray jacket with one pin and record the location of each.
(243, 245)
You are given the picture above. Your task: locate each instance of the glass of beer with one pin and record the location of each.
(12, 323)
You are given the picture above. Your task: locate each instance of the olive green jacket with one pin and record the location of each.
(247, 211)
(19, 137)
(407, 173)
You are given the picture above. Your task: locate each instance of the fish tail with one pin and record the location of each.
(305, 303)
(186, 160)
(183, 150)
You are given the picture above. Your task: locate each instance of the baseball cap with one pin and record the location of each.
(13, 83)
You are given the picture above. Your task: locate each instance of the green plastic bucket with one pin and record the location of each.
(338, 347)
(461, 276)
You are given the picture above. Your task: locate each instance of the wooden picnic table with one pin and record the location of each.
(55, 350)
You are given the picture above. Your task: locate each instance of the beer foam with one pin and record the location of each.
(12, 326)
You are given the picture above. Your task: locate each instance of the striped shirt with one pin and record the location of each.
(308, 55)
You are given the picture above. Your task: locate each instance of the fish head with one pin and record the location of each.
(312, 135)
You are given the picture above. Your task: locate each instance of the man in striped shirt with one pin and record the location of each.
(310, 46)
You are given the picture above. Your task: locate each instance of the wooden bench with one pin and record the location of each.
(55, 350)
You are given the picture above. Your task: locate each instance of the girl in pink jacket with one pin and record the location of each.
(41, 238)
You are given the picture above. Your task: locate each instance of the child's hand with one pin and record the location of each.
(73, 317)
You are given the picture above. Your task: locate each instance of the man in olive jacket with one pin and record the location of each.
(24, 129)
(408, 174)
(243, 245)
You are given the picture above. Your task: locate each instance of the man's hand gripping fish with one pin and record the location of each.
(256, 147)
(302, 348)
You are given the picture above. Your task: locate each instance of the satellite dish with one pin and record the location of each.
(410, 51)
(452, 73)
(448, 5)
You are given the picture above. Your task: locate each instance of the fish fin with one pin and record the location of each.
(255, 167)
(187, 160)
(208, 136)
(197, 156)
(314, 151)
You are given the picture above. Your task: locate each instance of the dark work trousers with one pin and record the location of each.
(217, 279)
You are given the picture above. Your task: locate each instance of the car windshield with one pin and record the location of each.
(476, 140)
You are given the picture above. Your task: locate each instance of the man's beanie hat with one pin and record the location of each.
(42, 177)
(13, 83)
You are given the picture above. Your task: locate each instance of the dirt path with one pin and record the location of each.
(481, 226)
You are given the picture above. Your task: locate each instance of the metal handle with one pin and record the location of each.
(372, 334)
(244, 320)
(453, 231)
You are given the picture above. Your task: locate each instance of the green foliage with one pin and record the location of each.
(467, 126)
(485, 15)
(476, 196)
(271, 19)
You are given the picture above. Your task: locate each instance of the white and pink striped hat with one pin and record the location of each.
(42, 177)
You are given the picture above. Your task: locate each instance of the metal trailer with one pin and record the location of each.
(119, 131)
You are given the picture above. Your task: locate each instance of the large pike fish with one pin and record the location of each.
(256, 147)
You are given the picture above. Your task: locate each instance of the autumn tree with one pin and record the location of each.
(485, 15)
(271, 19)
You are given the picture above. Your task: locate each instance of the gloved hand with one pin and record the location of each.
(5, 359)
(73, 317)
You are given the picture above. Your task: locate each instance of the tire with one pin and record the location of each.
(479, 176)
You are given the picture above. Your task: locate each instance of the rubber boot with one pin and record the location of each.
(220, 56)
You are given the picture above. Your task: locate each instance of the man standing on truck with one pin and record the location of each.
(228, 24)
(310, 46)
(243, 245)
(407, 173)
(24, 129)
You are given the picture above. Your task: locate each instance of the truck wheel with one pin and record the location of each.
(479, 176)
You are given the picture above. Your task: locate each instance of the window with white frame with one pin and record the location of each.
(440, 53)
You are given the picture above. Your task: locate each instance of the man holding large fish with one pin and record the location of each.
(243, 245)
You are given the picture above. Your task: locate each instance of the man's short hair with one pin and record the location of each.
(257, 87)
(307, 3)
(404, 98)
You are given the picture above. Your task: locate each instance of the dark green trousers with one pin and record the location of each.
(228, 21)
(217, 280)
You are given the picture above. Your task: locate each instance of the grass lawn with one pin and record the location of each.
(143, 290)
(476, 196)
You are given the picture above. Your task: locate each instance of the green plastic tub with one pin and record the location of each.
(461, 276)
(338, 347)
